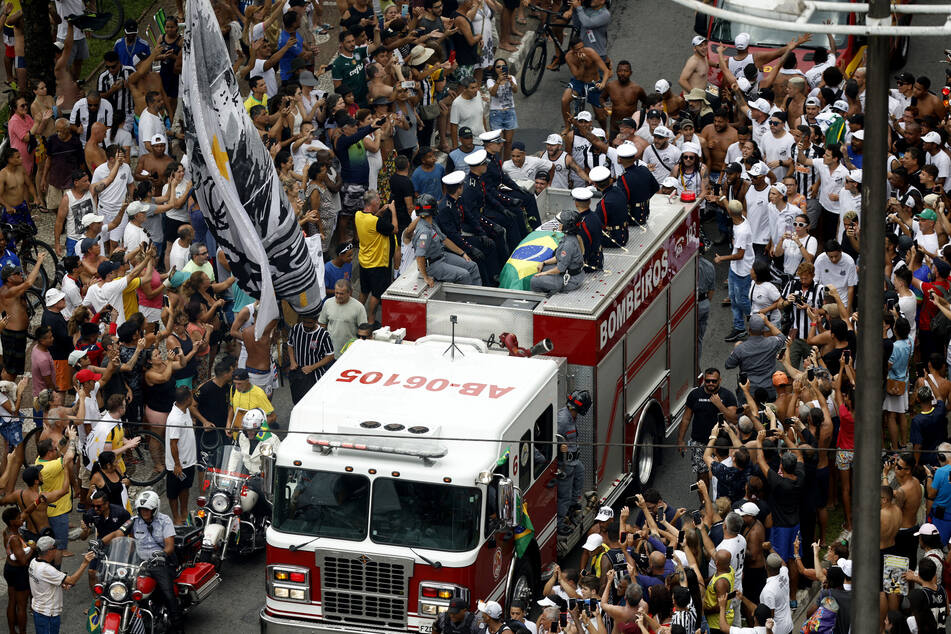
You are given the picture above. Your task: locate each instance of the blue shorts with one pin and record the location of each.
(60, 526)
(503, 119)
(782, 538)
(594, 95)
(71, 246)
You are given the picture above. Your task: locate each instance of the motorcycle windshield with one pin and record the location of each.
(226, 470)
(120, 560)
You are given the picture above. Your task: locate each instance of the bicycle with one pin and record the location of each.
(108, 17)
(22, 238)
(535, 63)
(578, 102)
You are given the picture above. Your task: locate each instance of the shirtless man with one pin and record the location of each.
(717, 137)
(94, 150)
(16, 189)
(908, 497)
(33, 502)
(588, 72)
(928, 103)
(694, 74)
(795, 98)
(377, 84)
(624, 95)
(145, 80)
(67, 90)
(258, 363)
(151, 167)
(13, 337)
(890, 516)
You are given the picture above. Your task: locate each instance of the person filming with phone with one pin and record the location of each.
(756, 357)
(705, 406)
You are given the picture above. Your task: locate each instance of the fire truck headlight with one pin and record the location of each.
(281, 593)
(429, 609)
(297, 594)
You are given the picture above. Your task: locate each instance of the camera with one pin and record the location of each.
(797, 298)
(811, 373)
(742, 378)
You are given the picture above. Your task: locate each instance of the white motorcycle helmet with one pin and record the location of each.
(253, 419)
(147, 500)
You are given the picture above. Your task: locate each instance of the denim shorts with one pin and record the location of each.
(60, 526)
(503, 119)
(594, 95)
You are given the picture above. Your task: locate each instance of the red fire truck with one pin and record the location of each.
(400, 493)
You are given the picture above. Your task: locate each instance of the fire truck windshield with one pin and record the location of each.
(425, 515)
(321, 503)
(725, 31)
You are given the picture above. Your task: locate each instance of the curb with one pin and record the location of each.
(517, 57)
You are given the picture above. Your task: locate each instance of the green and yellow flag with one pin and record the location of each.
(523, 528)
(537, 246)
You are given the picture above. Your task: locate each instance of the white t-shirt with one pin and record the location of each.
(842, 274)
(497, 102)
(942, 161)
(133, 236)
(737, 547)
(468, 113)
(847, 203)
(757, 213)
(46, 584)
(178, 213)
(831, 183)
(814, 74)
(64, 9)
(792, 256)
(777, 150)
(528, 169)
(908, 306)
(742, 239)
(775, 595)
(110, 294)
(112, 197)
(73, 297)
(763, 294)
(149, 126)
(122, 138)
(269, 77)
(661, 160)
(179, 427)
(178, 255)
(781, 221)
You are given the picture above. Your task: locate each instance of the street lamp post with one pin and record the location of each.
(878, 29)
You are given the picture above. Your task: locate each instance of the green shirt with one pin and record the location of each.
(351, 73)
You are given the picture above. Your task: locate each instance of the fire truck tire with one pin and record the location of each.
(524, 583)
(646, 455)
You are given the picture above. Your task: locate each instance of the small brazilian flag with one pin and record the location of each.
(92, 622)
(537, 246)
(523, 529)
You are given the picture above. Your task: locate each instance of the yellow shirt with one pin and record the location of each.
(710, 600)
(130, 300)
(374, 246)
(54, 476)
(250, 102)
(116, 438)
(255, 397)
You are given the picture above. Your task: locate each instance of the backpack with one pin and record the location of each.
(940, 324)
(823, 619)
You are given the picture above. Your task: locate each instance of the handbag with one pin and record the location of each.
(894, 387)
(429, 112)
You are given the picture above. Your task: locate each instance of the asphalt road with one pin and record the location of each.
(655, 38)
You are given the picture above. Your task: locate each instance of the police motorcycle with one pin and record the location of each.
(233, 511)
(127, 597)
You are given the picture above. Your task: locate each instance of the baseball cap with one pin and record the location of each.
(932, 137)
(9, 270)
(131, 27)
(758, 169)
(663, 131)
(653, 114)
(241, 374)
(627, 122)
(761, 104)
(599, 132)
(734, 168)
(465, 132)
(604, 513)
(743, 84)
(859, 134)
(135, 207)
(45, 543)
(748, 509)
(905, 78)
(846, 566)
(59, 45)
(106, 268)
(476, 158)
(599, 173)
(594, 540)
(179, 278)
(87, 375)
(547, 602)
(491, 609)
(554, 139)
(780, 378)
(158, 139)
(697, 40)
(75, 356)
(813, 101)
(54, 295)
(662, 86)
(943, 267)
(855, 175)
(779, 187)
(928, 214)
(89, 219)
(927, 529)
(306, 78)
(457, 605)
(840, 104)
(742, 41)
(87, 244)
(757, 323)
(931, 200)
(584, 115)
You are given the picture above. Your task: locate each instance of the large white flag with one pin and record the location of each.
(235, 180)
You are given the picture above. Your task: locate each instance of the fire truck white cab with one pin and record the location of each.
(397, 486)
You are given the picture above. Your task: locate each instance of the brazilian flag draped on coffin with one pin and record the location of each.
(537, 246)
(236, 183)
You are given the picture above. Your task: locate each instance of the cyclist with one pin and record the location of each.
(589, 74)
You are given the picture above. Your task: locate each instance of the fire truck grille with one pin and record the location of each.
(371, 590)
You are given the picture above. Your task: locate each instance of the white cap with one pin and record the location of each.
(742, 41)
(158, 139)
(670, 181)
(593, 542)
(927, 529)
(491, 609)
(626, 150)
(454, 178)
(135, 207)
(813, 101)
(931, 200)
(743, 84)
(546, 602)
(599, 173)
(584, 115)
(840, 104)
(931, 137)
(662, 86)
(554, 139)
(54, 295)
(605, 513)
(693, 148)
(697, 40)
(779, 187)
(599, 132)
(663, 131)
(492, 136)
(89, 219)
(758, 169)
(476, 158)
(761, 104)
(748, 509)
(581, 193)
(75, 356)
(846, 566)
(860, 135)
(855, 175)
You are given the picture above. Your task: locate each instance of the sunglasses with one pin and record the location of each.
(711, 380)
(775, 123)
(800, 224)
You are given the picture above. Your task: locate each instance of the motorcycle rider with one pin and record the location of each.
(154, 536)
(257, 441)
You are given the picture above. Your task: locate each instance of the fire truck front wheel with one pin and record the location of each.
(645, 454)
(523, 583)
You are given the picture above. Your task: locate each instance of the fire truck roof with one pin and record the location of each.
(416, 405)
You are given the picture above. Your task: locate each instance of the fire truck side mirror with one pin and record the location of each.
(268, 460)
(506, 502)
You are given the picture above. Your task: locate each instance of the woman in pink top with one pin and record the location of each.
(150, 293)
(21, 124)
(845, 443)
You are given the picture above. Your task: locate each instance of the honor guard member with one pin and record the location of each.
(637, 183)
(589, 229)
(611, 209)
(513, 198)
(568, 272)
(436, 257)
(571, 480)
(501, 200)
(489, 208)
(471, 219)
(479, 247)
